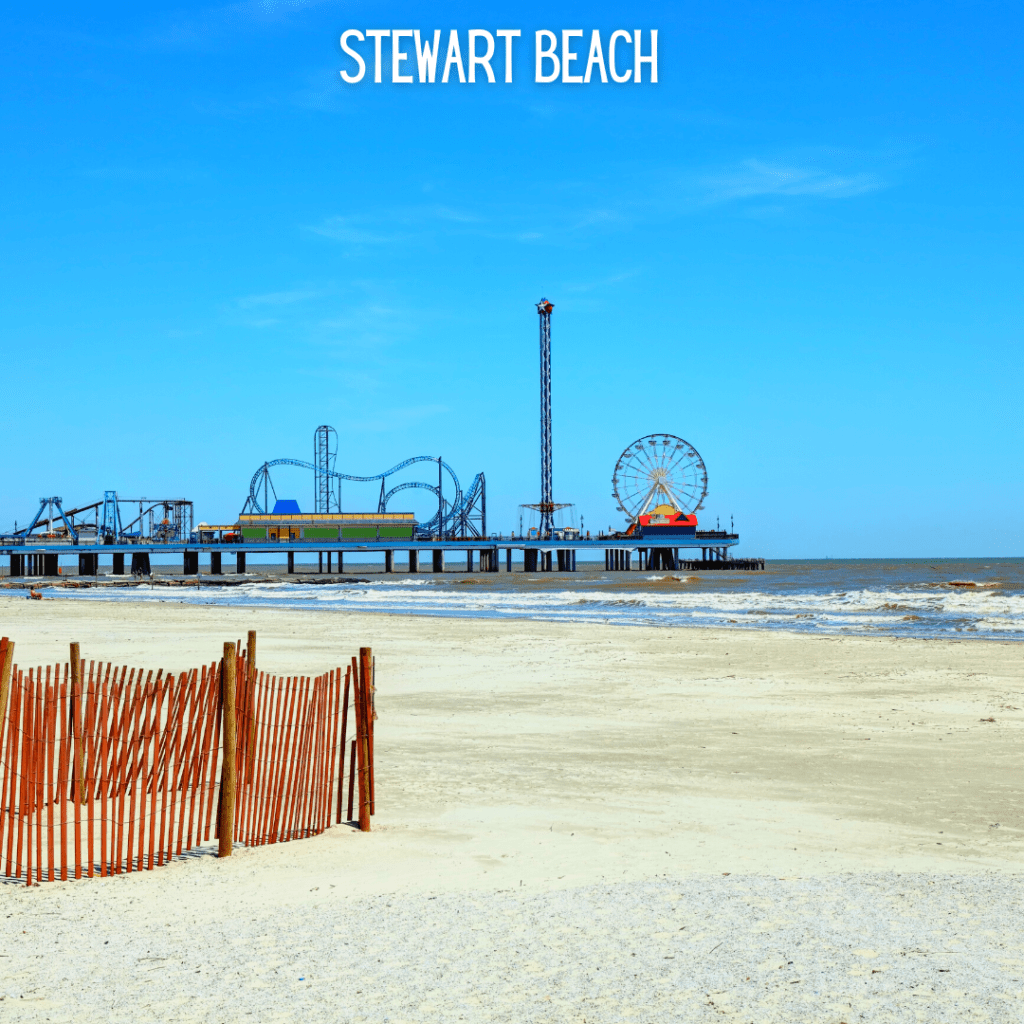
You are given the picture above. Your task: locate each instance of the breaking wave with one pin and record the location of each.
(921, 610)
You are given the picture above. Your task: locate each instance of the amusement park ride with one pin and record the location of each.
(460, 514)
(160, 520)
(659, 484)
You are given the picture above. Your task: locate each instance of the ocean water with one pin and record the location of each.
(915, 598)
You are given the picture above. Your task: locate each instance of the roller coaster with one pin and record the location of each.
(159, 521)
(460, 514)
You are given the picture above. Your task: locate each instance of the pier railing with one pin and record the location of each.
(107, 770)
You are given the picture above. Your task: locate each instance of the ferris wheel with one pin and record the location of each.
(659, 469)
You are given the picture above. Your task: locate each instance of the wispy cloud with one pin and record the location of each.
(759, 178)
(604, 282)
(283, 298)
(349, 229)
(127, 173)
(573, 213)
(321, 91)
(392, 225)
(203, 27)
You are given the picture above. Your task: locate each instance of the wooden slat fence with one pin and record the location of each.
(106, 769)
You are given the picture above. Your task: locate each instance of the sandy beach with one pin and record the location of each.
(575, 822)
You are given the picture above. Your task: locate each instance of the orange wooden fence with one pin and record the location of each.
(106, 769)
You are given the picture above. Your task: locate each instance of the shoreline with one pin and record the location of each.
(940, 611)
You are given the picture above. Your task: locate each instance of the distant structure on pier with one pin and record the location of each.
(547, 506)
(660, 481)
(460, 513)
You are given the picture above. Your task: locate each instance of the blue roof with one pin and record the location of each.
(287, 507)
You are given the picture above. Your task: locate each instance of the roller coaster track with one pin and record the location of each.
(458, 514)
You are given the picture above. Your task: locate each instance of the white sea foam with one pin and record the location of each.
(918, 611)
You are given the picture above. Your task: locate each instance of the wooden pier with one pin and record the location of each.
(621, 554)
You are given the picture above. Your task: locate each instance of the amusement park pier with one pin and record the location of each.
(659, 484)
(43, 558)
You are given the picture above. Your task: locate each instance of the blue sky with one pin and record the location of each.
(800, 250)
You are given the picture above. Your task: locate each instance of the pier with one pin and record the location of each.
(621, 554)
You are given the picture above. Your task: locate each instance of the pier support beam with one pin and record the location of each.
(389, 561)
(239, 562)
(88, 564)
(508, 559)
(215, 569)
(50, 565)
(493, 566)
(291, 561)
(530, 560)
(438, 555)
(545, 561)
(118, 567)
(663, 558)
(469, 560)
(414, 561)
(618, 559)
(191, 563)
(140, 563)
(320, 561)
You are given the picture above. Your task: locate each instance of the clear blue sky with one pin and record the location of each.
(800, 250)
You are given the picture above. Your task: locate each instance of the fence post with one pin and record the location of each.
(364, 724)
(77, 739)
(6, 660)
(250, 653)
(226, 825)
(372, 718)
(250, 686)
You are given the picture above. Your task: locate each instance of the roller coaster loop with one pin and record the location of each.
(463, 515)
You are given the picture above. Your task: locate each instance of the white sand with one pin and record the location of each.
(558, 807)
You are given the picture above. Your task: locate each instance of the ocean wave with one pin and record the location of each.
(911, 611)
